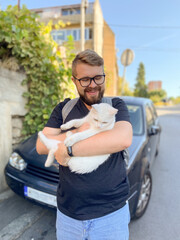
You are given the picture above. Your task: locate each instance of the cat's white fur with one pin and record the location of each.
(101, 118)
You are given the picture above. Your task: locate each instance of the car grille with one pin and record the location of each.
(43, 173)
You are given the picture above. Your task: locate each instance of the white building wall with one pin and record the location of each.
(98, 28)
(12, 109)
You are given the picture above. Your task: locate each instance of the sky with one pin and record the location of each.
(150, 28)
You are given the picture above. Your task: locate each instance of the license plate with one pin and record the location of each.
(40, 196)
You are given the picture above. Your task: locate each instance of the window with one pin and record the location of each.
(70, 11)
(88, 33)
(61, 35)
(58, 36)
(136, 118)
(149, 116)
(76, 34)
(153, 111)
(65, 12)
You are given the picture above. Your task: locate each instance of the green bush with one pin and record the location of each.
(157, 95)
(176, 100)
(25, 38)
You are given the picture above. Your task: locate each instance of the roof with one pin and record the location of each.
(60, 7)
(136, 100)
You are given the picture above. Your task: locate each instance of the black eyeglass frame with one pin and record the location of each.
(91, 79)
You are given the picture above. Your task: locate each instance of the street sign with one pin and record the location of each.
(127, 57)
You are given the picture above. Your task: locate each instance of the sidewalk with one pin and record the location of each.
(6, 194)
(22, 220)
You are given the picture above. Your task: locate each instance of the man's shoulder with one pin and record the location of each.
(66, 100)
(61, 104)
(69, 104)
(118, 102)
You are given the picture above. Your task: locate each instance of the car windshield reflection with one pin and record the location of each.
(136, 118)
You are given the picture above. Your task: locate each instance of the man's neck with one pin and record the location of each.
(88, 107)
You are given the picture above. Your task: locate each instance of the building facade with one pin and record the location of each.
(154, 85)
(98, 35)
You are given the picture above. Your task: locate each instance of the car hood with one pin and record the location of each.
(27, 150)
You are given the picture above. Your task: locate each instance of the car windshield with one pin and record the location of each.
(136, 118)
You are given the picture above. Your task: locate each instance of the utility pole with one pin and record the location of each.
(84, 4)
(19, 4)
(127, 58)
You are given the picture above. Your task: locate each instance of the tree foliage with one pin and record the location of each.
(25, 38)
(140, 86)
(175, 100)
(157, 95)
(126, 89)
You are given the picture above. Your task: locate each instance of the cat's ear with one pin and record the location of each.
(94, 108)
(113, 111)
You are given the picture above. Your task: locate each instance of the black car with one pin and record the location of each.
(27, 176)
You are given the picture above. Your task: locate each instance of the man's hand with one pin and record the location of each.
(61, 155)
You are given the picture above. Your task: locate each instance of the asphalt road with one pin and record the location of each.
(21, 220)
(162, 218)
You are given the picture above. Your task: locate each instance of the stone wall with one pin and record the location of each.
(12, 111)
(17, 123)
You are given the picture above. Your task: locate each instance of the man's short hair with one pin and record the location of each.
(88, 57)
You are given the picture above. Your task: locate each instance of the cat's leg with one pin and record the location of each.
(73, 123)
(68, 134)
(50, 158)
(76, 137)
(52, 146)
(49, 143)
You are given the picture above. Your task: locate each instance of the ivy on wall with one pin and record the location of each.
(25, 38)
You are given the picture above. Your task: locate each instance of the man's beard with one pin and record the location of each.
(94, 100)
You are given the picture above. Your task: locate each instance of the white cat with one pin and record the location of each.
(101, 118)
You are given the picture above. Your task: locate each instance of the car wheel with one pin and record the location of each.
(144, 194)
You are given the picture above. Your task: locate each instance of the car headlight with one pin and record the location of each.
(17, 162)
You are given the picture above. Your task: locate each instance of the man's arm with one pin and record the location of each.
(115, 140)
(53, 133)
(111, 141)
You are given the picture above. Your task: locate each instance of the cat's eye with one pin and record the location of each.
(95, 120)
(104, 122)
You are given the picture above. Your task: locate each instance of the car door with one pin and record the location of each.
(152, 138)
(157, 125)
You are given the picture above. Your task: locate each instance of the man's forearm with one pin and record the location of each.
(41, 148)
(54, 134)
(105, 142)
(115, 140)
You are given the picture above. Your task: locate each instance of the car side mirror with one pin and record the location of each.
(154, 130)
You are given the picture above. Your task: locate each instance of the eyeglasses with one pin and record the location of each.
(86, 81)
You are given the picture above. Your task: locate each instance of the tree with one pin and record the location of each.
(24, 38)
(140, 86)
(127, 91)
(157, 95)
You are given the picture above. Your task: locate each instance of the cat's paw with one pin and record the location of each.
(69, 141)
(68, 134)
(65, 126)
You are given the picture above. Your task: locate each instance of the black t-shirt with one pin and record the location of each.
(95, 194)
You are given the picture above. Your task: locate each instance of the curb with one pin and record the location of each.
(19, 225)
(6, 194)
